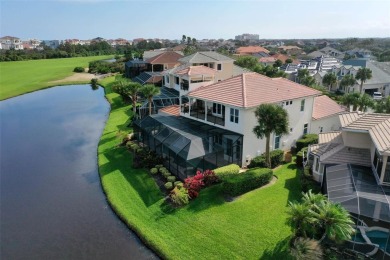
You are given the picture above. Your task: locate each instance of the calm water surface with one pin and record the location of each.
(52, 204)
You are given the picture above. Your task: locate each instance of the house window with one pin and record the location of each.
(217, 109)
(177, 80)
(277, 142)
(167, 79)
(229, 147)
(305, 128)
(234, 113)
(302, 105)
(219, 67)
(290, 102)
(218, 139)
(291, 130)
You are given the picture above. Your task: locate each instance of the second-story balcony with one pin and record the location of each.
(184, 85)
(210, 112)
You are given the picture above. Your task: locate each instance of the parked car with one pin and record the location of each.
(377, 96)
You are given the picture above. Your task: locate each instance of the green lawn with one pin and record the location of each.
(19, 77)
(251, 227)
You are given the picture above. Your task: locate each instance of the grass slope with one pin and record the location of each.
(251, 227)
(19, 77)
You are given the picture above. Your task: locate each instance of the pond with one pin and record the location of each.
(52, 203)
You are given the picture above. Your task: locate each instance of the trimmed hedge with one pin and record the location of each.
(78, 69)
(171, 178)
(227, 171)
(299, 159)
(153, 171)
(259, 161)
(168, 185)
(250, 180)
(306, 140)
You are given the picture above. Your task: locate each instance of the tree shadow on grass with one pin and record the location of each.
(280, 251)
(208, 197)
(293, 184)
(120, 160)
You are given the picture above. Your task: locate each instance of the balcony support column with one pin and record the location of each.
(384, 161)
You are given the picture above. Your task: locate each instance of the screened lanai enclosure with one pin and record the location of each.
(188, 145)
(356, 189)
(167, 97)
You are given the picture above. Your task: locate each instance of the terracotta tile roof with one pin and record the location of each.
(252, 89)
(283, 58)
(377, 125)
(267, 59)
(197, 70)
(251, 50)
(205, 57)
(165, 57)
(170, 110)
(324, 106)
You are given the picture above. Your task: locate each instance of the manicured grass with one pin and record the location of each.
(251, 227)
(19, 77)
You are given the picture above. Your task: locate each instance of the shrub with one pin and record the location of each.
(299, 159)
(209, 177)
(158, 166)
(168, 185)
(194, 184)
(178, 184)
(153, 171)
(162, 169)
(171, 179)
(78, 69)
(179, 196)
(167, 174)
(259, 161)
(227, 171)
(306, 140)
(242, 183)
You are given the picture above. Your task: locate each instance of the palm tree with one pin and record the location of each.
(302, 74)
(308, 81)
(306, 249)
(363, 75)
(383, 106)
(299, 218)
(329, 79)
(133, 91)
(334, 220)
(347, 80)
(270, 118)
(149, 91)
(351, 99)
(365, 101)
(120, 86)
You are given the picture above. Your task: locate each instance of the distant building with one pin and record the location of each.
(291, 50)
(250, 50)
(247, 37)
(52, 43)
(9, 42)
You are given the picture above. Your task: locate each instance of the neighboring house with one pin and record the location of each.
(291, 50)
(150, 54)
(9, 43)
(284, 57)
(353, 165)
(250, 50)
(267, 60)
(325, 117)
(216, 121)
(326, 63)
(327, 51)
(52, 43)
(380, 81)
(360, 53)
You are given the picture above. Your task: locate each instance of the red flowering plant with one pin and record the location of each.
(209, 177)
(194, 184)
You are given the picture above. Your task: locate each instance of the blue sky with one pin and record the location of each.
(86, 19)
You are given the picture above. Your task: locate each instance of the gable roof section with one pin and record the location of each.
(204, 57)
(377, 125)
(165, 57)
(324, 106)
(196, 70)
(251, 49)
(252, 89)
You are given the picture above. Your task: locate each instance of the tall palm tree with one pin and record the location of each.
(347, 81)
(120, 86)
(270, 118)
(365, 101)
(329, 79)
(383, 106)
(149, 91)
(363, 75)
(133, 91)
(303, 73)
(334, 220)
(351, 99)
